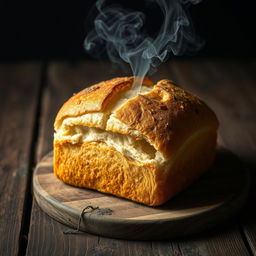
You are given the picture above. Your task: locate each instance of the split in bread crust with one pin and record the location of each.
(144, 147)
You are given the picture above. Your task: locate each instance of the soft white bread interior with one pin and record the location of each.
(144, 147)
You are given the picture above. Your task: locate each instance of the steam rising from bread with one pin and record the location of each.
(120, 32)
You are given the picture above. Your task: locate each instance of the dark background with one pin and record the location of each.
(49, 31)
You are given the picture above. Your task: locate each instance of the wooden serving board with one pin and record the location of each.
(213, 198)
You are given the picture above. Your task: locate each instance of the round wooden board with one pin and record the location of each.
(214, 197)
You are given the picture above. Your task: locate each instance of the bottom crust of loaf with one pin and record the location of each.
(96, 165)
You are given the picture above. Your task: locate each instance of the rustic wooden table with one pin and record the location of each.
(31, 94)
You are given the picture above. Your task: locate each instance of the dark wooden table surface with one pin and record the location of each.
(30, 96)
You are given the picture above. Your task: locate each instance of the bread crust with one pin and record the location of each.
(166, 116)
(94, 98)
(178, 124)
(98, 166)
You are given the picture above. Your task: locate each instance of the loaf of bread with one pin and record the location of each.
(145, 147)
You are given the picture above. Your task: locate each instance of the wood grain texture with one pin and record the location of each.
(66, 78)
(19, 85)
(210, 200)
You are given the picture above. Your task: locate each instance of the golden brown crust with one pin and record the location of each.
(166, 116)
(178, 124)
(95, 98)
(98, 166)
